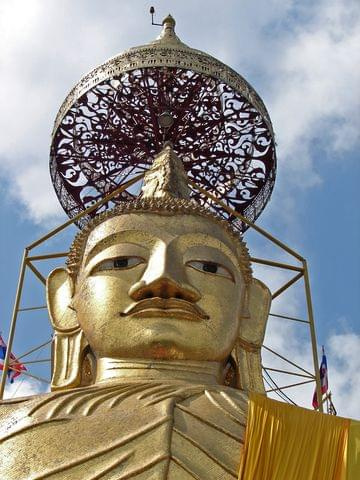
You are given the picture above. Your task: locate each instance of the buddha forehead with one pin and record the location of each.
(179, 230)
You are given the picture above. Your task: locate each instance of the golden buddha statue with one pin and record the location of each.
(158, 329)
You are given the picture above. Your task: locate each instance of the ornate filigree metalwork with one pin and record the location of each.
(112, 132)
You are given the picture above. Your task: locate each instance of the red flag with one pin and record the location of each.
(323, 379)
(15, 367)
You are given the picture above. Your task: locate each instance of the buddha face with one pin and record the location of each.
(158, 286)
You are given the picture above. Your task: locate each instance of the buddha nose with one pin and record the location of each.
(164, 278)
(163, 287)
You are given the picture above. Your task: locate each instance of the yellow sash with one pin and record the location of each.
(284, 442)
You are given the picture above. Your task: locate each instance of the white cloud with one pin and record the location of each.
(45, 49)
(317, 86)
(24, 387)
(343, 365)
(34, 184)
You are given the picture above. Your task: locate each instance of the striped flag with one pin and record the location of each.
(15, 367)
(323, 379)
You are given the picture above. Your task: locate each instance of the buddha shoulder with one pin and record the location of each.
(168, 430)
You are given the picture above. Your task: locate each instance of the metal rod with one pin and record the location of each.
(271, 263)
(288, 373)
(72, 220)
(327, 397)
(277, 393)
(286, 285)
(44, 360)
(260, 230)
(34, 349)
(36, 272)
(313, 335)
(13, 323)
(28, 309)
(289, 386)
(31, 375)
(288, 318)
(49, 255)
(287, 360)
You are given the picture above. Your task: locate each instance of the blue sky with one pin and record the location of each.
(302, 58)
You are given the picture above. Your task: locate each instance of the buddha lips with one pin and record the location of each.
(166, 307)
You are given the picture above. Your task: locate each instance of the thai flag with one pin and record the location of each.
(323, 379)
(15, 367)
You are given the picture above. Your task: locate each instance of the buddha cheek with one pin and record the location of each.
(99, 304)
(222, 301)
(221, 330)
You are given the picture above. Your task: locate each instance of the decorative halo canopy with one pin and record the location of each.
(117, 118)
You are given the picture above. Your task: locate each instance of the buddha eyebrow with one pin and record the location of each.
(203, 240)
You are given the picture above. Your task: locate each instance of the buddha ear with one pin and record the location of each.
(59, 293)
(253, 325)
(69, 342)
(247, 351)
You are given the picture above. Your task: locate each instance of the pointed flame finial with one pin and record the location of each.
(168, 30)
(167, 177)
(169, 22)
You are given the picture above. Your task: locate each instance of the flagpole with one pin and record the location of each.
(327, 396)
(13, 323)
(313, 336)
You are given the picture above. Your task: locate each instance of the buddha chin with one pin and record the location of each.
(162, 341)
(161, 305)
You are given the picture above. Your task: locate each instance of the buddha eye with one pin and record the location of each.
(210, 267)
(118, 263)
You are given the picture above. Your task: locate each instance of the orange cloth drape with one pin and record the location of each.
(284, 442)
(353, 455)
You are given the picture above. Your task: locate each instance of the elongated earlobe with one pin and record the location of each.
(247, 351)
(59, 293)
(69, 342)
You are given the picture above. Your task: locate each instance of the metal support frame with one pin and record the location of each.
(289, 386)
(271, 263)
(302, 273)
(34, 349)
(286, 285)
(294, 319)
(289, 361)
(42, 360)
(30, 309)
(288, 373)
(13, 323)
(35, 271)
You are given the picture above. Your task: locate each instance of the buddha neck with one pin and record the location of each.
(110, 369)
